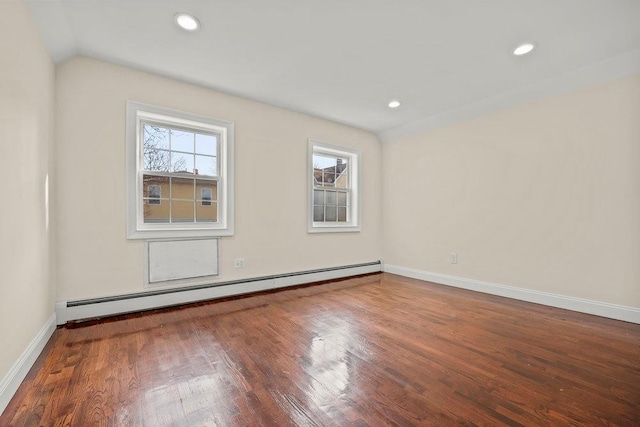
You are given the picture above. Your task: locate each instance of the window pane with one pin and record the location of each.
(181, 162)
(207, 186)
(331, 171)
(160, 182)
(324, 169)
(318, 197)
(207, 144)
(207, 213)
(205, 196)
(323, 162)
(182, 211)
(331, 213)
(156, 160)
(318, 213)
(182, 188)
(342, 198)
(317, 176)
(331, 198)
(182, 141)
(328, 178)
(156, 137)
(156, 209)
(206, 165)
(154, 194)
(342, 175)
(156, 213)
(342, 214)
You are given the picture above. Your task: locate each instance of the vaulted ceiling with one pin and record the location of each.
(345, 60)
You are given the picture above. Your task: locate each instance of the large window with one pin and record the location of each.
(179, 174)
(333, 187)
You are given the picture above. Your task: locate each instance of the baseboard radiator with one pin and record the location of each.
(128, 303)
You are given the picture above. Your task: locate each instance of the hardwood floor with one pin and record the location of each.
(373, 350)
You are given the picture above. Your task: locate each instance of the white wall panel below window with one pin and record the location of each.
(181, 259)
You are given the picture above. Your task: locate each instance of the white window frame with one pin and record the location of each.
(353, 156)
(136, 227)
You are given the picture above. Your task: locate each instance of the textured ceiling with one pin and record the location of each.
(344, 60)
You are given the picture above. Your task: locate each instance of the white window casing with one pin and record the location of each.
(137, 228)
(350, 191)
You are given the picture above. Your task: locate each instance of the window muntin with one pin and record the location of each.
(179, 174)
(334, 188)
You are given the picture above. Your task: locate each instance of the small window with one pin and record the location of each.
(154, 193)
(205, 196)
(334, 198)
(180, 174)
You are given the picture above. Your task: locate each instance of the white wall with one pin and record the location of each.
(26, 138)
(545, 196)
(96, 259)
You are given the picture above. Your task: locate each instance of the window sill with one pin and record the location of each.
(178, 233)
(333, 229)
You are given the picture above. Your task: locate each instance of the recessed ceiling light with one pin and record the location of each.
(187, 22)
(523, 49)
(394, 104)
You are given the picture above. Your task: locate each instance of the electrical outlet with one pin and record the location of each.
(239, 263)
(454, 258)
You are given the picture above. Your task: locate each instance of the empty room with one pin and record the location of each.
(320, 213)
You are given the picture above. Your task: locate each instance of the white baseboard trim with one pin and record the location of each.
(612, 311)
(12, 380)
(120, 304)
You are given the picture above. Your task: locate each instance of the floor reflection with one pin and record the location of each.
(331, 366)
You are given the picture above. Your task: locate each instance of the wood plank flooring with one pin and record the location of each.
(373, 350)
